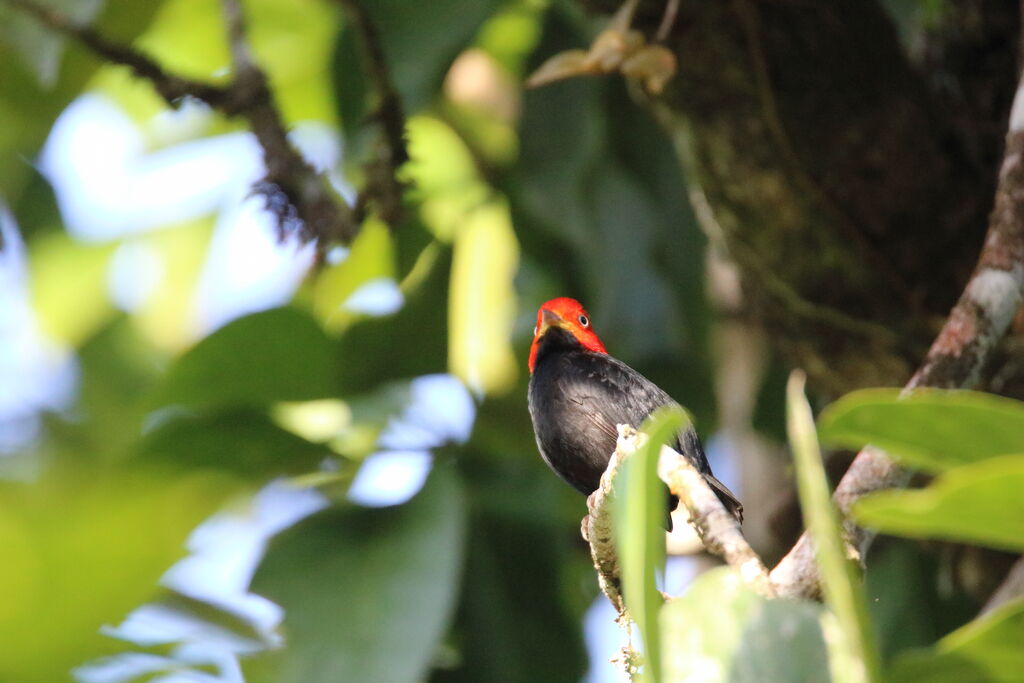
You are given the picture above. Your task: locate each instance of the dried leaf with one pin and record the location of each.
(655, 65)
(561, 66)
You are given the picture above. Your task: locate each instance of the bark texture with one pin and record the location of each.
(846, 171)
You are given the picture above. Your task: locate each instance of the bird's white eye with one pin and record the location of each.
(583, 321)
(535, 328)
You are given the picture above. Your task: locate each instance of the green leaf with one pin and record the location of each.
(82, 549)
(482, 301)
(930, 429)
(844, 591)
(275, 355)
(372, 256)
(638, 514)
(420, 41)
(979, 504)
(367, 593)
(40, 47)
(245, 443)
(720, 630)
(987, 649)
(409, 343)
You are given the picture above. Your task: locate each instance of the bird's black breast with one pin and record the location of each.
(576, 398)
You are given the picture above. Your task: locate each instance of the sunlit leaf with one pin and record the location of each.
(275, 355)
(446, 181)
(372, 256)
(979, 504)
(367, 593)
(83, 549)
(408, 343)
(638, 517)
(987, 649)
(482, 302)
(720, 630)
(69, 287)
(843, 588)
(930, 429)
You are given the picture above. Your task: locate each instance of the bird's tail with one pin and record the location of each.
(729, 500)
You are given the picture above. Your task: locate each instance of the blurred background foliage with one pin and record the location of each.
(165, 360)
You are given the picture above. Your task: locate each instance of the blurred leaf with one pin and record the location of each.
(69, 287)
(447, 183)
(909, 608)
(367, 593)
(406, 344)
(81, 550)
(245, 443)
(40, 47)
(27, 108)
(722, 631)
(930, 429)
(638, 514)
(275, 355)
(980, 504)
(987, 649)
(527, 580)
(844, 591)
(372, 256)
(482, 302)
(420, 41)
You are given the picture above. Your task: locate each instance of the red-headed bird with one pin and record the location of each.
(578, 394)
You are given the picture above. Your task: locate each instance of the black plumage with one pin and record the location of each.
(576, 399)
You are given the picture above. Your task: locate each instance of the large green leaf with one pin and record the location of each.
(720, 630)
(979, 504)
(367, 593)
(244, 442)
(81, 550)
(987, 649)
(844, 592)
(638, 514)
(406, 344)
(930, 429)
(276, 355)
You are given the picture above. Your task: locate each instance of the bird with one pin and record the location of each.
(578, 394)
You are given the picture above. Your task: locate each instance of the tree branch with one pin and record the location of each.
(714, 524)
(974, 327)
(295, 192)
(1011, 588)
(383, 186)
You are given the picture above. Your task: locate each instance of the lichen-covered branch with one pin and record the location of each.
(295, 192)
(716, 526)
(597, 525)
(966, 342)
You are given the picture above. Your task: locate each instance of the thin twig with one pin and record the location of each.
(1011, 588)
(383, 186)
(295, 191)
(716, 526)
(974, 328)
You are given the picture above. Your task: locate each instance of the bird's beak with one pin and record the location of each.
(548, 319)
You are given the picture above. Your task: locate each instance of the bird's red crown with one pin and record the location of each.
(570, 315)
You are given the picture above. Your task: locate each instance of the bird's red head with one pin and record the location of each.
(570, 315)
